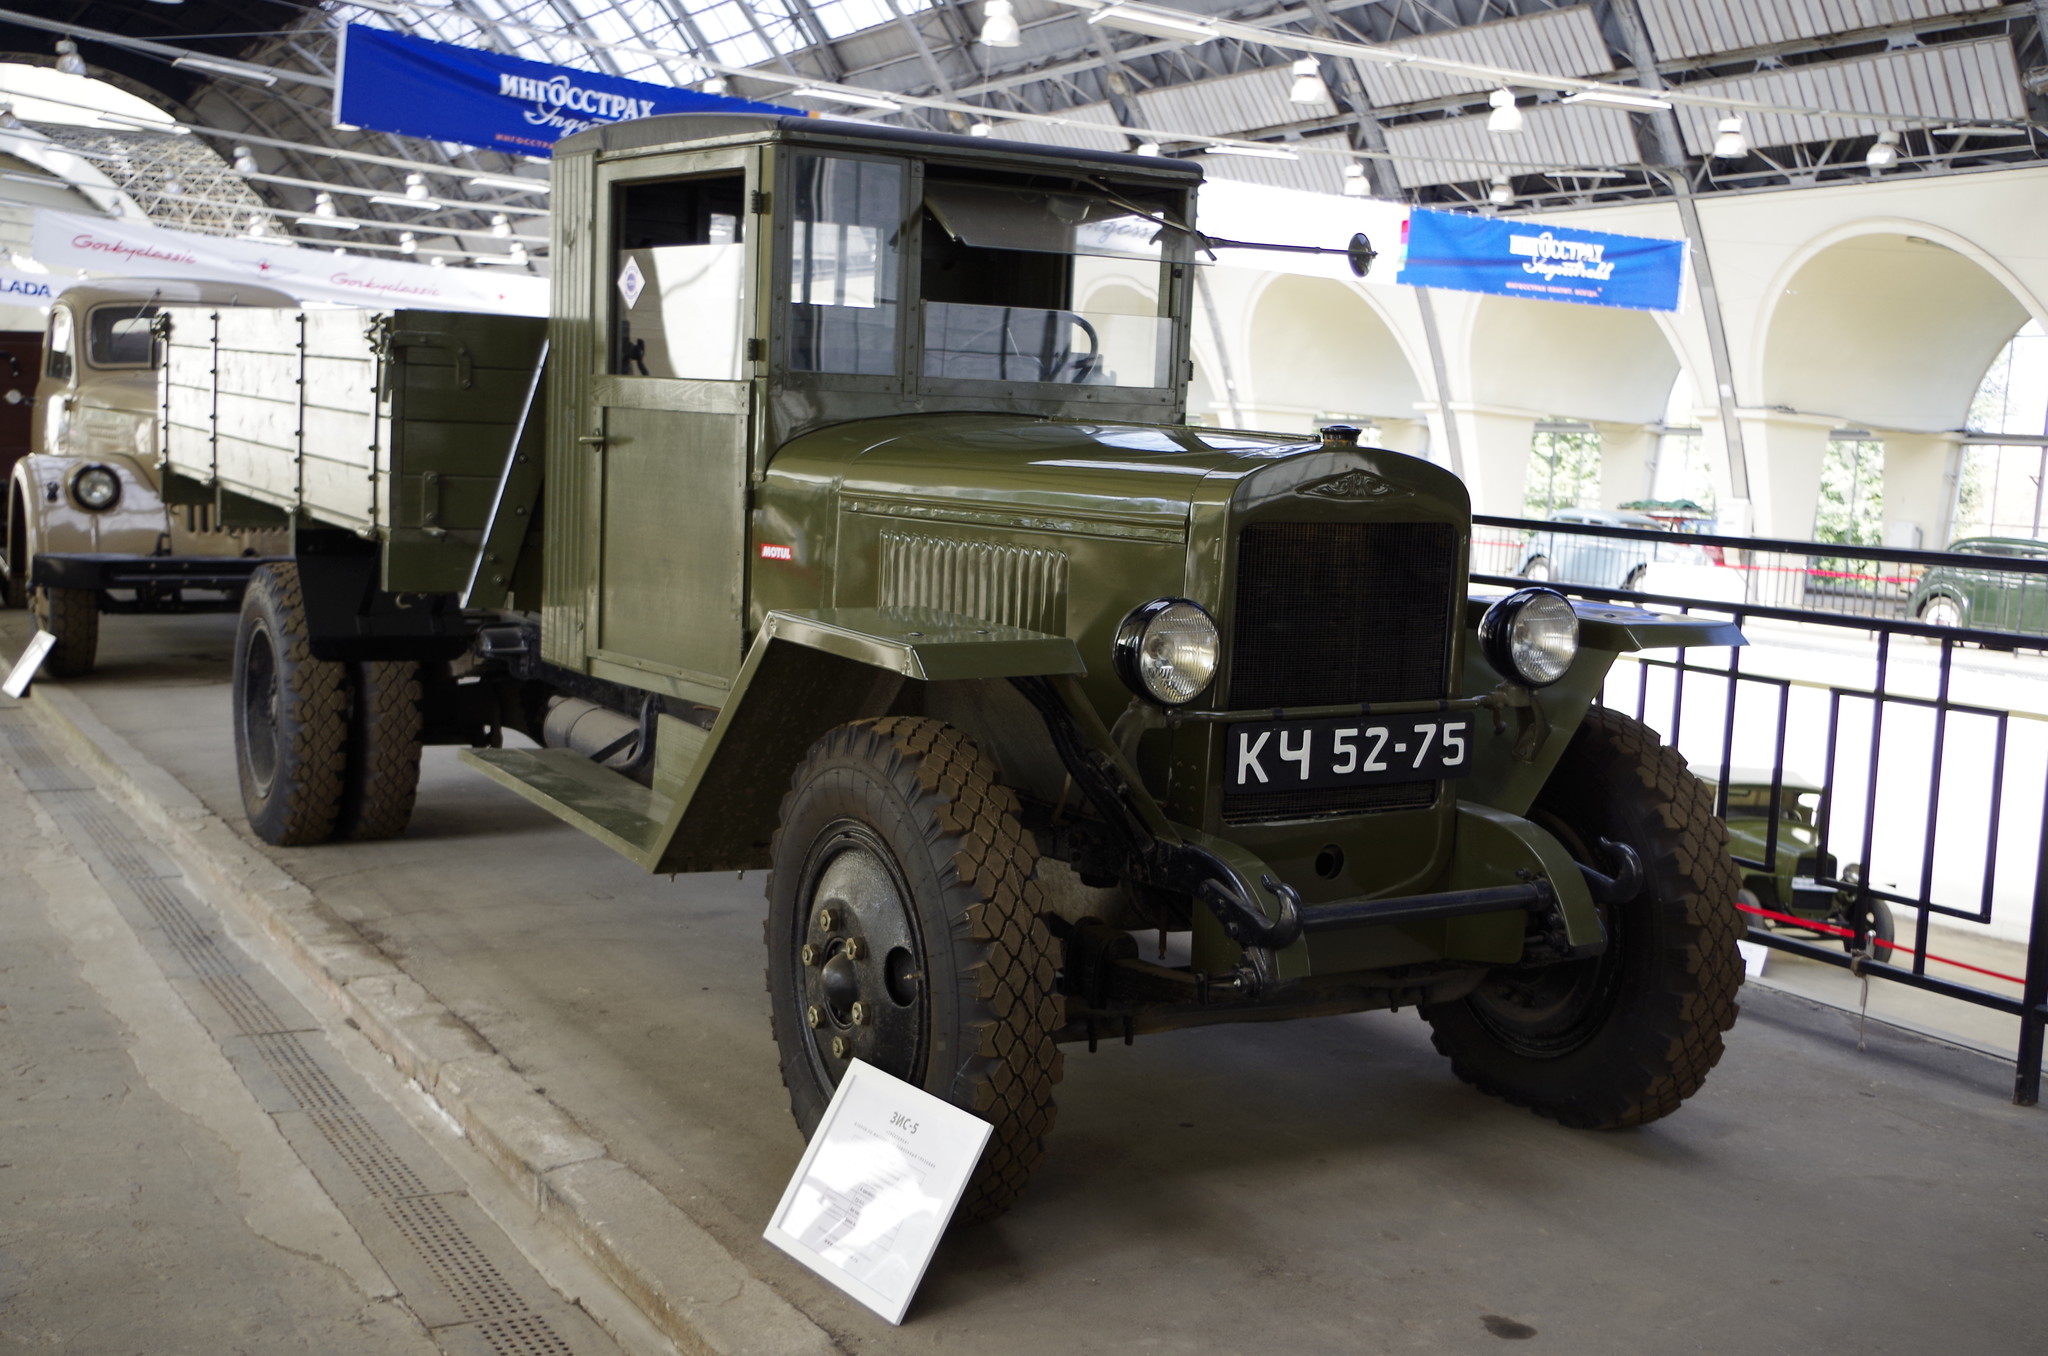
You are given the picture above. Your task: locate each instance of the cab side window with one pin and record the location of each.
(57, 360)
(847, 219)
(679, 278)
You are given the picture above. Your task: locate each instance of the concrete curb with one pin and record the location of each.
(692, 1289)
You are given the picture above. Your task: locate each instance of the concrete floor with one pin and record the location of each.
(1311, 1187)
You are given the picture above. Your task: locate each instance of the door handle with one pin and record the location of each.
(593, 440)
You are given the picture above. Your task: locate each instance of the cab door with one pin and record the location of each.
(669, 417)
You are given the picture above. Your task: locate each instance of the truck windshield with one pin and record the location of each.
(1022, 284)
(118, 336)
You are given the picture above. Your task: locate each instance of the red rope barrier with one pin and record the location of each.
(1836, 930)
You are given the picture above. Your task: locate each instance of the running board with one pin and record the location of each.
(612, 808)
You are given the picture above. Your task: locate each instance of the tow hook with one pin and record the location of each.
(1626, 882)
(1244, 922)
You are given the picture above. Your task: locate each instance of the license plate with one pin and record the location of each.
(1297, 755)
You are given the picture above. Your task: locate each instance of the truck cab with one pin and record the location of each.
(88, 529)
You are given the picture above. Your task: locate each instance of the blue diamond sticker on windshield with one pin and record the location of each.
(632, 282)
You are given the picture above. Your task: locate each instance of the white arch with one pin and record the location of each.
(1901, 346)
(1334, 349)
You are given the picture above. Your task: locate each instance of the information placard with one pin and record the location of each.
(24, 670)
(872, 1196)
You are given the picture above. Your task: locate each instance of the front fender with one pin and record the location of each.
(54, 523)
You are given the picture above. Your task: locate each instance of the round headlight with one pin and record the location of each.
(96, 489)
(1531, 636)
(1166, 650)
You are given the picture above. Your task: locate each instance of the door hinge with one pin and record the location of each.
(757, 202)
(757, 351)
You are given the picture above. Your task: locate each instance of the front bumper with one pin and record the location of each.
(159, 582)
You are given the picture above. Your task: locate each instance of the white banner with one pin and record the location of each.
(29, 289)
(125, 249)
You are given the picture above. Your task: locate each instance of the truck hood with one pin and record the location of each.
(1137, 474)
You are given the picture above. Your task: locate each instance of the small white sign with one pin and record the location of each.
(24, 669)
(1753, 956)
(877, 1185)
(632, 282)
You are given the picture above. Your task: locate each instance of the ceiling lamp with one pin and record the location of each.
(519, 255)
(324, 215)
(1308, 87)
(979, 129)
(171, 188)
(257, 228)
(438, 261)
(245, 160)
(1618, 98)
(1255, 152)
(1506, 118)
(416, 187)
(408, 243)
(999, 25)
(501, 225)
(416, 195)
(1147, 148)
(68, 59)
(715, 85)
(1885, 153)
(1355, 183)
(1153, 23)
(1502, 194)
(1729, 143)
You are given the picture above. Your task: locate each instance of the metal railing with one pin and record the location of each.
(1927, 783)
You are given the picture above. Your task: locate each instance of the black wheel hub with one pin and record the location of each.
(259, 711)
(860, 965)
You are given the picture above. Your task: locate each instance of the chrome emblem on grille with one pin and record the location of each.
(1354, 485)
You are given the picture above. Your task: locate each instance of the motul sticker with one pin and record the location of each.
(769, 552)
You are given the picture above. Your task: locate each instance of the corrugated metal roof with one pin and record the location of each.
(1313, 173)
(1233, 104)
(1452, 150)
(1685, 28)
(1967, 81)
(1080, 138)
(1559, 42)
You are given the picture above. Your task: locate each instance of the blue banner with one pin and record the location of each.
(1515, 258)
(443, 92)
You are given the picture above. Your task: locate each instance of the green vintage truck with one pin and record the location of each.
(843, 521)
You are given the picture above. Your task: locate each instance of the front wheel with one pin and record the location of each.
(1537, 570)
(1943, 611)
(904, 929)
(1621, 1038)
(73, 617)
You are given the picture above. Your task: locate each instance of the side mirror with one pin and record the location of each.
(1361, 254)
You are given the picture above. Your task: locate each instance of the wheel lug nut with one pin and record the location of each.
(855, 948)
(862, 1014)
(811, 954)
(828, 920)
(841, 1047)
(815, 1015)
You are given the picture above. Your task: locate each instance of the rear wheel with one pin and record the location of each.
(1884, 931)
(291, 716)
(904, 929)
(73, 617)
(383, 774)
(1621, 1038)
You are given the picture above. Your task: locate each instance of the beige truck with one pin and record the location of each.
(88, 526)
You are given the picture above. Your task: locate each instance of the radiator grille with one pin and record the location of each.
(1326, 613)
(1342, 612)
(1007, 585)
